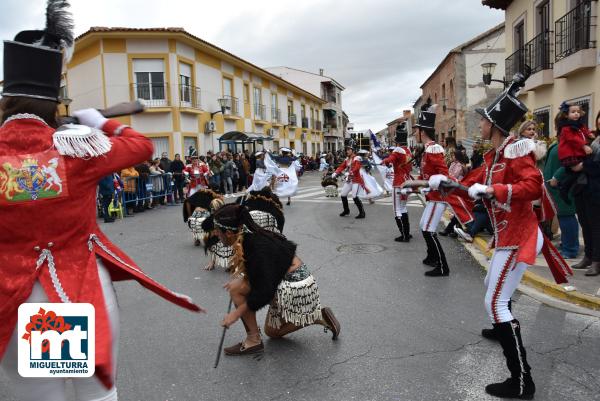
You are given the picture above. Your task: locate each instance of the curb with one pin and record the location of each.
(545, 286)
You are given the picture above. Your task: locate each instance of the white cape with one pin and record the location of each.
(387, 174)
(374, 189)
(260, 180)
(286, 179)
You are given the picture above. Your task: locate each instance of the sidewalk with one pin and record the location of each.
(581, 290)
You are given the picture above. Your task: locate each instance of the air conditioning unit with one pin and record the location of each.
(211, 126)
(271, 132)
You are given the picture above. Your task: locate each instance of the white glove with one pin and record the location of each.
(406, 191)
(334, 175)
(436, 180)
(90, 117)
(477, 191)
(425, 191)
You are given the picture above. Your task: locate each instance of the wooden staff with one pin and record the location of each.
(222, 337)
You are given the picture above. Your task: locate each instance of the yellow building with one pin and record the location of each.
(557, 39)
(194, 91)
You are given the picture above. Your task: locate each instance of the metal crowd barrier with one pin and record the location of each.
(141, 190)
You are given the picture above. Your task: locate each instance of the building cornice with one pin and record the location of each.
(498, 4)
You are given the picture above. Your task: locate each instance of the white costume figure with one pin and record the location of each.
(323, 165)
(372, 188)
(260, 178)
(52, 176)
(284, 173)
(387, 174)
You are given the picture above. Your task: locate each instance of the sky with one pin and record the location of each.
(381, 51)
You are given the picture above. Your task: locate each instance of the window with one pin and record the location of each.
(543, 17)
(303, 111)
(189, 141)
(185, 82)
(160, 145)
(227, 87)
(290, 107)
(314, 149)
(519, 35)
(246, 93)
(274, 100)
(257, 96)
(543, 119)
(149, 81)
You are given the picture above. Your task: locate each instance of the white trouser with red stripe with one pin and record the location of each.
(431, 216)
(400, 202)
(350, 187)
(503, 278)
(48, 389)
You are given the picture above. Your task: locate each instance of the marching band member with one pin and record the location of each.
(509, 182)
(65, 258)
(401, 160)
(433, 165)
(353, 182)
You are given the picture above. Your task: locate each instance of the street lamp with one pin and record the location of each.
(223, 103)
(488, 71)
(66, 101)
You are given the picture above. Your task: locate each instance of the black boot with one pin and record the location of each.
(400, 225)
(519, 385)
(406, 225)
(491, 334)
(431, 259)
(442, 267)
(361, 210)
(346, 211)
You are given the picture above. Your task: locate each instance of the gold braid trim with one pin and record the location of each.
(238, 263)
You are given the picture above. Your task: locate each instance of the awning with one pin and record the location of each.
(244, 137)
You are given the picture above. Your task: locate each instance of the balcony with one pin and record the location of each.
(305, 122)
(260, 112)
(514, 63)
(575, 42)
(538, 56)
(275, 115)
(232, 106)
(331, 123)
(189, 96)
(292, 120)
(153, 94)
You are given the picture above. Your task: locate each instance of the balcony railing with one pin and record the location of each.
(515, 63)
(304, 122)
(574, 31)
(260, 112)
(232, 105)
(154, 95)
(538, 52)
(275, 115)
(318, 125)
(292, 120)
(189, 96)
(331, 123)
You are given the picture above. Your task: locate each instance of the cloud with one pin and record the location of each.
(380, 50)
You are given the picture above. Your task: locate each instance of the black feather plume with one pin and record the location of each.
(59, 24)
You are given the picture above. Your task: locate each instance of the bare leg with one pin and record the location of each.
(238, 293)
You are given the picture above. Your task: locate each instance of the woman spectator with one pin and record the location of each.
(216, 168)
(158, 184)
(238, 181)
(246, 171)
(450, 146)
(129, 177)
(177, 167)
(458, 169)
(229, 170)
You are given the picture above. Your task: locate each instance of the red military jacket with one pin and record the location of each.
(197, 174)
(401, 160)
(433, 163)
(517, 182)
(48, 228)
(353, 168)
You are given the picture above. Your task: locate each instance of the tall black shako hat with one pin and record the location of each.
(33, 60)
(401, 134)
(507, 109)
(426, 118)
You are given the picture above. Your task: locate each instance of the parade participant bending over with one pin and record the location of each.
(267, 271)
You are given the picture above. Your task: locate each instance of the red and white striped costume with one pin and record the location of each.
(198, 173)
(354, 181)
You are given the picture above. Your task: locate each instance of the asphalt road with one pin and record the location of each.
(404, 336)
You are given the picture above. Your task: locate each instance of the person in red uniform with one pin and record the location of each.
(509, 182)
(401, 160)
(198, 173)
(51, 248)
(434, 165)
(353, 182)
